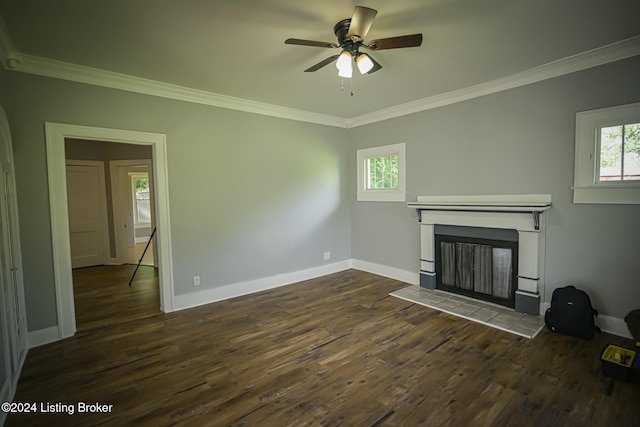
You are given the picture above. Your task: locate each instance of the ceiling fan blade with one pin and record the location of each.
(361, 22)
(321, 64)
(412, 40)
(376, 65)
(310, 43)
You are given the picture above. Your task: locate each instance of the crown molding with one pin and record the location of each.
(93, 76)
(13, 60)
(582, 61)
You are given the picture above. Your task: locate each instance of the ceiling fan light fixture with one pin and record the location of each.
(365, 64)
(344, 60)
(346, 71)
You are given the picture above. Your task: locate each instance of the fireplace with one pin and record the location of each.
(457, 231)
(481, 268)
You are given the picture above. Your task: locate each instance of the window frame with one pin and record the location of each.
(365, 194)
(587, 188)
(134, 200)
(598, 165)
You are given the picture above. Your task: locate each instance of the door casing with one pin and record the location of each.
(55, 134)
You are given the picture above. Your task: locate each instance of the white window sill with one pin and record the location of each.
(382, 196)
(626, 194)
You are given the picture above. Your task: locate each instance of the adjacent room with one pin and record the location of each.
(343, 213)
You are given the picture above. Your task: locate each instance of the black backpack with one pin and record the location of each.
(571, 313)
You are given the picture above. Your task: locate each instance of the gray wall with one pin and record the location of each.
(516, 141)
(253, 196)
(250, 196)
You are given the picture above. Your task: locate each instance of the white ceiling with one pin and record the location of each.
(236, 48)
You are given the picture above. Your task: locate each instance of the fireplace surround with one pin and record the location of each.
(522, 214)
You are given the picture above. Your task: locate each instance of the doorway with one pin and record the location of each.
(141, 249)
(103, 205)
(55, 142)
(134, 218)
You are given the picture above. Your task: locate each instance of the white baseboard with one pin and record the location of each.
(609, 324)
(410, 277)
(613, 325)
(181, 302)
(43, 336)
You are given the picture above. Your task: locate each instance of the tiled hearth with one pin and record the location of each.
(488, 314)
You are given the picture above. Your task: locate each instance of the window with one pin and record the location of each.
(141, 201)
(619, 153)
(381, 173)
(607, 157)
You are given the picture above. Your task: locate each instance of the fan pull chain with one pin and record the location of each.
(342, 85)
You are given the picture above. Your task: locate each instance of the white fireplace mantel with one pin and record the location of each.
(527, 203)
(517, 212)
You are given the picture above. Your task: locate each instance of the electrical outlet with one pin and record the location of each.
(327, 256)
(196, 280)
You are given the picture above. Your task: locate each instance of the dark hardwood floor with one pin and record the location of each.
(103, 297)
(326, 352)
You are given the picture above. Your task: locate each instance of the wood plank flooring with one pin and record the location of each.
(333, 351)
(103, 297)
(135, 252)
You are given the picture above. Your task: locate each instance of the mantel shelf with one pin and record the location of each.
(477, 207)
(520, 203)
(501, 203)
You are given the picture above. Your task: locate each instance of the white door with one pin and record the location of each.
(13, 336)
(86, 197)
(8, 260)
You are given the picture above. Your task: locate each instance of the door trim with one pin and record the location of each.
(56, 164)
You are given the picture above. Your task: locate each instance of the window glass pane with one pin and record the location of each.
(371, 165)
(611, 153)
(143, 205)
(141, 184)
(394, 172)
(372, 175)
(632, 152)
(383, 172)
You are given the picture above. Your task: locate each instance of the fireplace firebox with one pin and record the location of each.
(484, 269)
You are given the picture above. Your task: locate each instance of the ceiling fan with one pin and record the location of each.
(351, 33)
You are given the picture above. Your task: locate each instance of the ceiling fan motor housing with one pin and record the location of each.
(341, 30)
